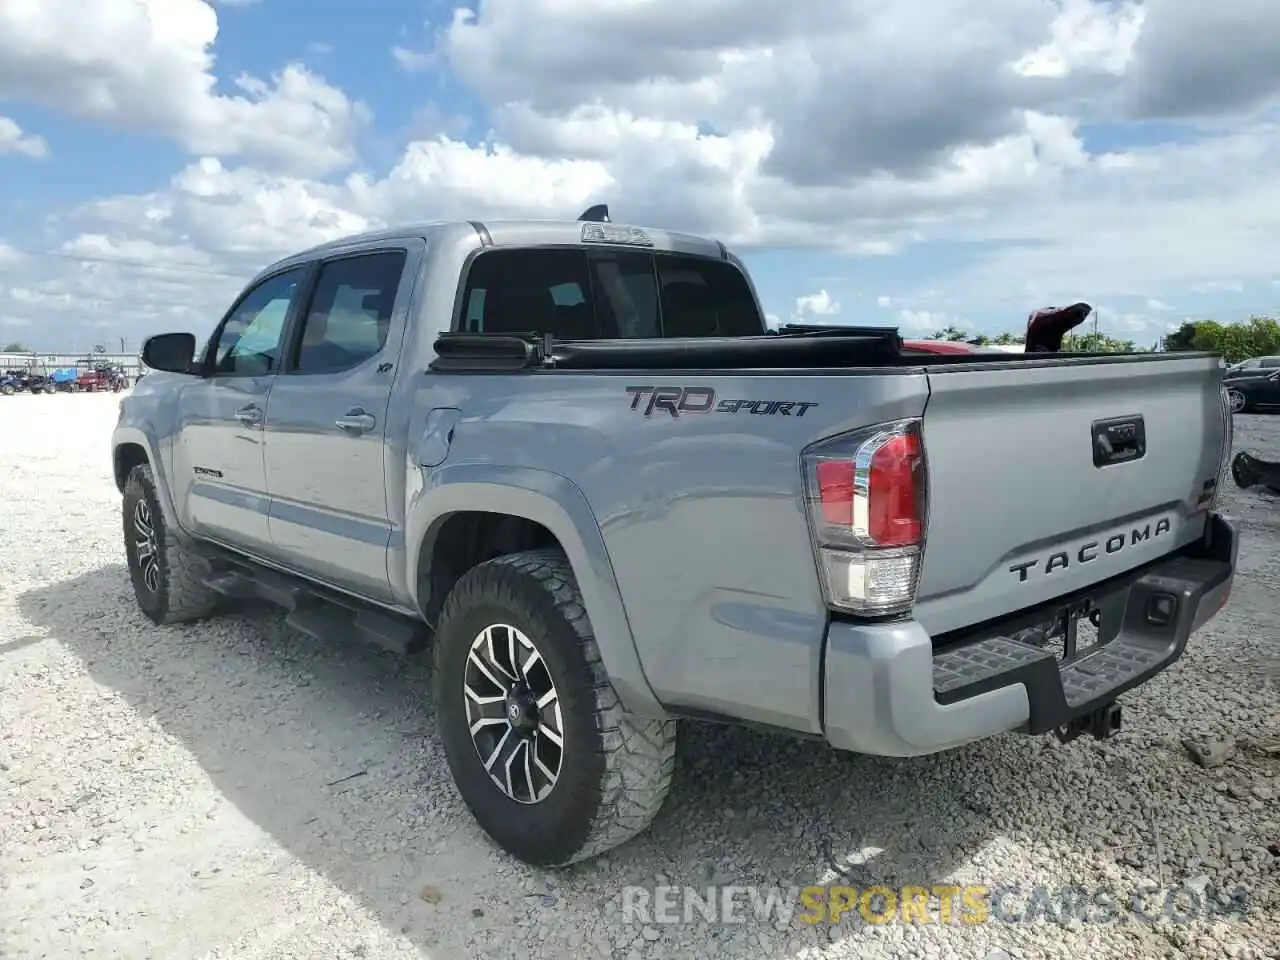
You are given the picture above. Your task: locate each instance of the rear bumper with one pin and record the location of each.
(887, 692)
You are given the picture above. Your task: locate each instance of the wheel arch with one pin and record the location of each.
(469, 513)
(130, 448)
(124, 458)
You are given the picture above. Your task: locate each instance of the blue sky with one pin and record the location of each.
(917, 166)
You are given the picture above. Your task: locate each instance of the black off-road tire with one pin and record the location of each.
(616, 767)
(180, 594)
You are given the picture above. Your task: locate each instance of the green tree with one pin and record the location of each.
(1182, 338)
(16, 347)
(1097, 343)
(1255, 337)
(951, 333)
(1007, 338)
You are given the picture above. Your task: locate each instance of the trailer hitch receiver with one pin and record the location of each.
(1100, 724)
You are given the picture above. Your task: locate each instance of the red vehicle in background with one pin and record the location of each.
(102, 377)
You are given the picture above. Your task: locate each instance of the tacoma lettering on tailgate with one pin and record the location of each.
(1088, 552)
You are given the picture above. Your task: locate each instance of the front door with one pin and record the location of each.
(218, 457)
(326, 457)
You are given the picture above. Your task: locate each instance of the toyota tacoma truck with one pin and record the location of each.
(571, 460)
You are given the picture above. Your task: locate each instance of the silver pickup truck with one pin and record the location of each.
(570, 460)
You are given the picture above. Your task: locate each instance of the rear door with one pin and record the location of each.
(327, 420)
(1027, 503)
(219, 463)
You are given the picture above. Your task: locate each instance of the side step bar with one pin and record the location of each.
(324, 615)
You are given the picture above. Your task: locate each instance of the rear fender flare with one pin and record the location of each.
(558, 504)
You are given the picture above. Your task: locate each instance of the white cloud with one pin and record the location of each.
(147, 65)
(1087, 36)
(926, 322)
(958, 124)
(414, 61)
(13, 140)
(8, 255)
(1128, 324)
(818, 304)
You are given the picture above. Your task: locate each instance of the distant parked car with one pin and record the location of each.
(1254, 385)
(1255, 364)
(103, 376)
(33, 378)
(63, 379)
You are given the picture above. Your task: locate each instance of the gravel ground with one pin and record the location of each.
(232, 789)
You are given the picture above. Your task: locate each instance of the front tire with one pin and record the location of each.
(168, 577)
(570, 774)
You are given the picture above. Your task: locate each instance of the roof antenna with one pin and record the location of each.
(597, 214)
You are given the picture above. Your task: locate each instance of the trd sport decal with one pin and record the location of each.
(678, 400)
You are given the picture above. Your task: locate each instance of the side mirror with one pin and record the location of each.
(170, 352)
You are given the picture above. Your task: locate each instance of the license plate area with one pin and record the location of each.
(1070, 633)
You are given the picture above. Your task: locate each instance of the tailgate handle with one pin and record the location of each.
(1119, 440)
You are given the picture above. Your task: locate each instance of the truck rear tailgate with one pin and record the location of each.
(1026, 503)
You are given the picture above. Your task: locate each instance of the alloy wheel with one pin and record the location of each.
(1236, 400)
(144, 539)
(513, 712)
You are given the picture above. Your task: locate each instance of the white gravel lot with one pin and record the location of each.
(177, 793)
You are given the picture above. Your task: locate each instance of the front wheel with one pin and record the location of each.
(168, 577)
(1237, 401)
(542, 752)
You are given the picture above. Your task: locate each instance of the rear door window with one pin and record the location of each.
(350, 313)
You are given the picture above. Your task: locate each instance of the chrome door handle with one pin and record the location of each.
(250, 416)
(356, 421)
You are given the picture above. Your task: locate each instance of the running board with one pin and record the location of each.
(324, 615)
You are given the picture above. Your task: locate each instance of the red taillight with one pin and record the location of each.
(835, 490)
(867, 496)
(893, 497)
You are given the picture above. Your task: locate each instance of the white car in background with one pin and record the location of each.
(1255, 363)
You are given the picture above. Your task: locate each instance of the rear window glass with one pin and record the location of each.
(576, 294)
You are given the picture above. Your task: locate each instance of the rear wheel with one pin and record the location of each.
(542, 752)
(1237, 401)
(168, 577)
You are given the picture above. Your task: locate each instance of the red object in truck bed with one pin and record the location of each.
(939, 346)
